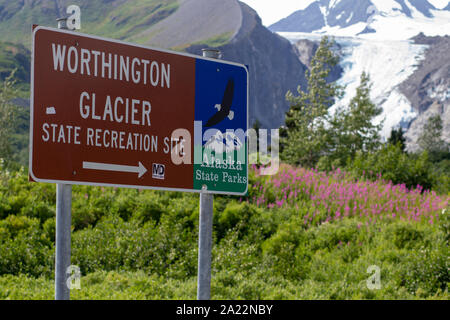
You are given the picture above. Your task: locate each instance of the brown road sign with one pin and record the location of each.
(105, 112)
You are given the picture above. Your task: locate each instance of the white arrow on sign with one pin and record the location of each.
(140, 169)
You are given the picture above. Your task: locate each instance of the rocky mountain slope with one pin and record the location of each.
(188, 25)
(428, 88)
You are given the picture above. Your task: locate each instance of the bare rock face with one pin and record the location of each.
(428, 88)
(417, 126)
(306, 49)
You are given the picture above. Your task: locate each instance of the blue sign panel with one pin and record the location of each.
(221, 120)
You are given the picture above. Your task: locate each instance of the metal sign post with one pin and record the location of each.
(205, 246)
(205, 228)
(63, 231)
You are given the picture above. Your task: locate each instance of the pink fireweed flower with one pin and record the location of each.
(338, 192)
(338, 214)
(347, 211)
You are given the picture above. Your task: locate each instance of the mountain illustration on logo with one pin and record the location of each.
(223, 109)
(221, 142)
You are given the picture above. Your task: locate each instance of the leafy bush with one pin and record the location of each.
(428, 271)
(118, 245)
(235, 214)
(23, 247)
(405, 235)
(394, 165)
(13, 225)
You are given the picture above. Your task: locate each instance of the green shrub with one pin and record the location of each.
(90, 205)
(234, 214)
(285, 253)
(49, 229)
(405, 235)
(427, 271)
(149, 209)
(5, 208)
(23, 247)
(39, 210)
(124, 205)
(329, 235)
(118, 245)
(13, 225)
(396, 166)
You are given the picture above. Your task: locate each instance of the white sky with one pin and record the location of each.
(272, 11)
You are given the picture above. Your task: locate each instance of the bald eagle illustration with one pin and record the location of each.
(223, 109)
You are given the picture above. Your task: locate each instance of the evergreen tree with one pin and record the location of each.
(304, 138)
(256, 126)
(431, 138)
(397, 137)
(352, 128)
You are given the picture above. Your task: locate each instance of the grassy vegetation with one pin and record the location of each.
(20, 138)
(292, 238)
(121, 19)
(217, 41)
(14, 56)
(213, 42)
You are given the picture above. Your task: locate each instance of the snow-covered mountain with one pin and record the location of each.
(375, 36)
(370, 19)
(224, 142)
